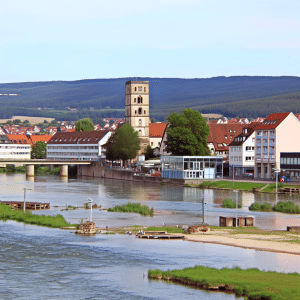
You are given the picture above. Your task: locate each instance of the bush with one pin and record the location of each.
(286, 207)
(260, 207)
(228, 203)
(206, 184)
(20, 169)
(10, 168)
(133, 208)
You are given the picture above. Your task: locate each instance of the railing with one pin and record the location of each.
(258, 137)
(272, 144)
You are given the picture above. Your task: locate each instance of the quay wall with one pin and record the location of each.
(96, 169)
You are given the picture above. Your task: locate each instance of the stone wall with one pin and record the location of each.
(97, 170)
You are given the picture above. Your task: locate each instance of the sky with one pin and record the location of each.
(53, 40)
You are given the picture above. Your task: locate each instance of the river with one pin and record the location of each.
(45, 263)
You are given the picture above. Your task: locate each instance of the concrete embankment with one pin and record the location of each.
(99, 171)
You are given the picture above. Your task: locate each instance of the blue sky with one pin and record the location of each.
(84, 39)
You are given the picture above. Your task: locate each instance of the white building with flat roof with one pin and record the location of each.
(78, 145)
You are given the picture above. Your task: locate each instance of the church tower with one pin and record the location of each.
(137, 109)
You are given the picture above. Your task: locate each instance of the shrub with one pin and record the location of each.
(228, 203)
(206, 184)
(260, 207)
(286, 207)
(20, 169)
(10, 168)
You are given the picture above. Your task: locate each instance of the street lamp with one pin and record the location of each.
(236, 207)
(24, 206)
(90, 200)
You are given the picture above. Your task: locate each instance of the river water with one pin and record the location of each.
(45, 263)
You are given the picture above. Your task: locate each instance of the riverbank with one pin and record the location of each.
(251, 283)
(243, 237)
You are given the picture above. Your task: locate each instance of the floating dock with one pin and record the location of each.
(158, 235)
(28, 205)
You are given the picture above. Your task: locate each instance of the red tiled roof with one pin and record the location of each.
(219, 131)
(32, 139)
(78, 137)
(272, 121)
(157, 129)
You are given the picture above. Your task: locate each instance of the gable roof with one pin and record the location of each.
(272, 121)
(78, 137)
(242, 137)
(157, 129)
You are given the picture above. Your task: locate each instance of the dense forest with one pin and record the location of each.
(243, 96)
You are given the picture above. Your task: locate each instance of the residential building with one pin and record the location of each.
(220, 136)
(290, 165)
(191, 167)
(156, 132)
(276, 134)
(10, 150)
(80, 145)
(241, 152)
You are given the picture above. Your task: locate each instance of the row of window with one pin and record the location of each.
(70, 154)
(140, 89)
(249, 158)
(14, 153)
(290, 160)
(250, 148)
(265, 133)
(235, 158)
(15, 147)
(71, 147)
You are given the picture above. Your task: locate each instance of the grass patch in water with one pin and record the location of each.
(70, 207)
(169, 229)
(282, 206)
(133, 208)
(248, 186)
(228, 203)
(250, 283)
(58, 221)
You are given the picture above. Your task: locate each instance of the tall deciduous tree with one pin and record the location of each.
(124, 144)
(38, 150)
(187, 133)
(84, 125)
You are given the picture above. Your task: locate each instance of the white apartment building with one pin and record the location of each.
(79, 145)
(278, 133)
(241, 152)
(12, 151)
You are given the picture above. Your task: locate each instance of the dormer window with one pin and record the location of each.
(225, 137)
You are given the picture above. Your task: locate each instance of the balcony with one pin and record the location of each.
(258, 137)
(265, 143)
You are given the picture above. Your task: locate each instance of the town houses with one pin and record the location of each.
(247, 148)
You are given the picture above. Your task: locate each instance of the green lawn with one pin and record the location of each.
(250, 283)
(248, 186)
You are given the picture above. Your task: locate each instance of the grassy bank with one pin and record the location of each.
(247, 186)
(133, 208)
(251, 283)
(58, 221)
(285, 207)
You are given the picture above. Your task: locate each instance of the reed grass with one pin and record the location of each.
(133, 208)
(247, 186)
(228, 203)
(250, 283)
(58, 221)
(282, 206)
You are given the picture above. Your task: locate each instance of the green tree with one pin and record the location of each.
(17, 121)
(38, 150)
(84, 125)
(187, 133)
(148, 152)
(124, 144)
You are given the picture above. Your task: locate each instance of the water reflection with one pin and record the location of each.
(177, 205)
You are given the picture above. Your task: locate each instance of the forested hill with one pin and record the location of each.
(243, 96)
